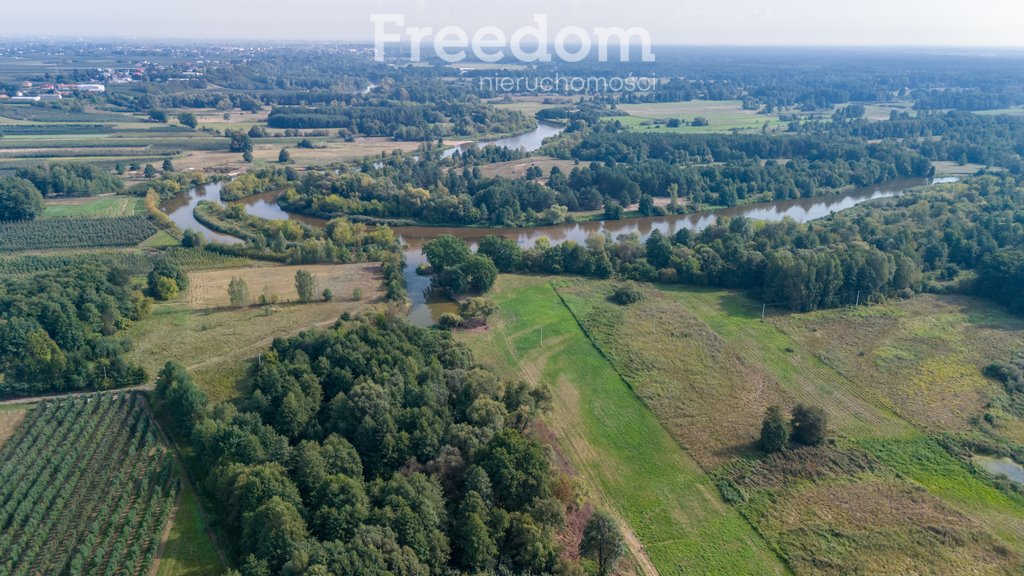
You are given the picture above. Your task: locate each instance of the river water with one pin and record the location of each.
(527, 142)
(425, 310)
(1003, 466)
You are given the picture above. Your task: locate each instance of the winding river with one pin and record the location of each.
(425, 311)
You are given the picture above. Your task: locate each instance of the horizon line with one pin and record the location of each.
(369, 42)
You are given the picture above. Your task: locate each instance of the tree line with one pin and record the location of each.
(964, 237)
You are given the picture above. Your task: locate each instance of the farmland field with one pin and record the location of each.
(627, 460)
(134, 261)
(32, 135)
(266, 150)
(86, 488)
(209, 289)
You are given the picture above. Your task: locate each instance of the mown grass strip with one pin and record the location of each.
(624, 455)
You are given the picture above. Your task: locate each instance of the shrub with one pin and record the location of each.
(774, 431)
(627, 294)
(165, 288)
(481, 308)
(449, 320)
(810, 425)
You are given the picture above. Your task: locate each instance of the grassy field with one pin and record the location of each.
(947, 168)
(722, 116)
(923, 357)
(855, 510)
(883, 497)
(517, 168)
(704, 349)
(216, 345)
(94, 207)
(188, 550)
(1010, 111)
(530, 105)
(627, 460)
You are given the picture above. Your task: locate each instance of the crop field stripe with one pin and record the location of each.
(619, 446)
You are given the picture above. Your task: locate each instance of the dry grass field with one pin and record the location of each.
(209, 289)
(700, 353)
(217, 344)
(9, 421)
(923, 357)
(517, 168)
(333, 150)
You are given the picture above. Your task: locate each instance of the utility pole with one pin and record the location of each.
(764, 307)
(858, 298)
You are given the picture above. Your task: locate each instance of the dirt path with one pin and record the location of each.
(165, 535)
(186, 479)
(55, 395)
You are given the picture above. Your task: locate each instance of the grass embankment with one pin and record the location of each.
(627, 460)
(884, 498)
(217, 344)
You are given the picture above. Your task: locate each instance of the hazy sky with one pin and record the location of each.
(758, 22)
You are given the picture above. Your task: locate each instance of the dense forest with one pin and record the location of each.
(956, 136)
(59, 330)
(376, 448)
